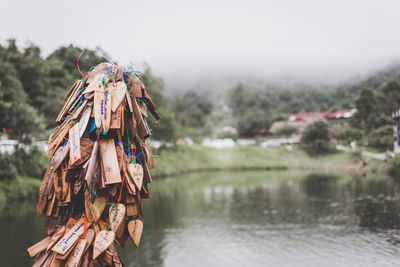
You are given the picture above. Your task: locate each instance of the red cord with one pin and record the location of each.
(77, 62)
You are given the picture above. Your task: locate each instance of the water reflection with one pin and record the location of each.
(252, 218)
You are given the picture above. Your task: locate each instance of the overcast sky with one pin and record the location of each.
(189, 40)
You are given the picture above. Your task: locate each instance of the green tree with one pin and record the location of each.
(317, 137)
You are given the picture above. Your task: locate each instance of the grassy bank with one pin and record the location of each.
(197, 158)
(184, 160)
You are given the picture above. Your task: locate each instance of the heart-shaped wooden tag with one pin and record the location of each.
(135, 229)
(136, 172)
(94, 211)
(103, 240)
(117, 216)
(118, 93)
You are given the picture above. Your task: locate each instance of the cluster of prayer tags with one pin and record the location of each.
(100, 157)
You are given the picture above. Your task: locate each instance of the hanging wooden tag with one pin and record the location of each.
(69, 238)
(136, 172)
(129, 101)
(75, 257)
(39, 247)
(74, 144)
(97, 105)
(86, 147)
(56, 237)
(84, 120)
(89, 238)
(149, 154)
(79, 110)
(118, 93)
(135, 229)
(117, 216)
(103, 240)
(116, 118)
(131, 209)
(106, 108)
(95, 209)
(110, 162)
(94, 84)
(59, 156)
(131, 184)
(92, 164)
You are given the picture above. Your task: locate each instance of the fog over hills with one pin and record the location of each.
(203, 44)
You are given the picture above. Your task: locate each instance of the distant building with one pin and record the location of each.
(302, 120)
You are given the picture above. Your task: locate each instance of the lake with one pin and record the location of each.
(273, 218)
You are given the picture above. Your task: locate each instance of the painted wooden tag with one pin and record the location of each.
(117, 216)
(74, 144)
(84, 120)
(103, 240)
(97, 104)
(116, 118)
(118, 93)
(92, 164)
(137, 174)
(75, 257)
(106, 108)
(69, 238)
(39, 247)
(110, 162)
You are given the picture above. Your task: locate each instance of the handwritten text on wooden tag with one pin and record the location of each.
(74, 144)
(103, 240)
(117, 216)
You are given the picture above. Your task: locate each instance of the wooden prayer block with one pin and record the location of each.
(110, 162)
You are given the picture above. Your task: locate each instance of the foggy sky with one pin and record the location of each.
(189, 41)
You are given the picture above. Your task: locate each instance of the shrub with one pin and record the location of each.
(395, 168)
(351, 134)
(7, 168)
(382, 138)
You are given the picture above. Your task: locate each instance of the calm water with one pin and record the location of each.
(248, 219)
